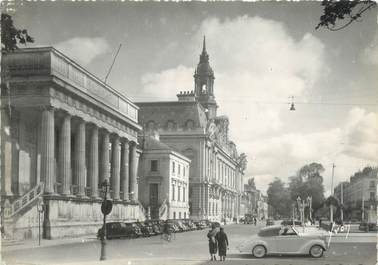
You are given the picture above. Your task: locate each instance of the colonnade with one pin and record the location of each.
(80, 172)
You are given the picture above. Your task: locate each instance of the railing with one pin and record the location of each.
(48, 61)
(24, 201)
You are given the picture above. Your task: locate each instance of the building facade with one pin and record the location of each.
(164, 181)
(191, 126)
(63, 133)
(359, 195)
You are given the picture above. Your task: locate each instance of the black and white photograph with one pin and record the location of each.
(189, 133)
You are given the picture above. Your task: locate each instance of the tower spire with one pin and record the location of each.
(204, 44)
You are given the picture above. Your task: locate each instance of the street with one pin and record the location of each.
(186, 248)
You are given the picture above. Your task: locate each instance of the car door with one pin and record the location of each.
(289, 241)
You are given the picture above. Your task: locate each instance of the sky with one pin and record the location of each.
(262, 54)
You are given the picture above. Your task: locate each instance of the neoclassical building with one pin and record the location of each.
(63, 132)
(191, 126)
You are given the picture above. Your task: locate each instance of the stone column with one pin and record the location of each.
(48, 149)
(133, 171)
(105, 157)
(6, 154)
(93, 162)
(125, 169)
(115, 167)
(65, 155)
(80, 158)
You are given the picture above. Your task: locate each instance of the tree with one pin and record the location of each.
(308, 183)
(279, 198)
(338, 14)
(11, 36)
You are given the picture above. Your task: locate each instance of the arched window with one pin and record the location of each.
(189, 125)
(171, 125)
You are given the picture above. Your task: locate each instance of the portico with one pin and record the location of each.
(65, 128)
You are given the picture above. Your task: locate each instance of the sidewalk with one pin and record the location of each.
(10, 245)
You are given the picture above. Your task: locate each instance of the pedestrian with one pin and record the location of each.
(222, 240)
(254, 220)
(213, 246)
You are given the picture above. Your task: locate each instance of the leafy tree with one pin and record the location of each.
(11, 36)
(279, 198)
(308, 183)
(343, 10)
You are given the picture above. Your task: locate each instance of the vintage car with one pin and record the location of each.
(284, 240)
(291, 222)
(115, 230)
(134, 229)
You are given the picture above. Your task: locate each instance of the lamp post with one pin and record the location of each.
(40, 209)
(309, 204)
(106, 208)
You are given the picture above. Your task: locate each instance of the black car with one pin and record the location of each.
(144, 229)
(367, 227)
(115, 230)
(134, 229)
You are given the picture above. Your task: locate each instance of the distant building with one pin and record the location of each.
(191, 126)
(359, 194)
(163, 181)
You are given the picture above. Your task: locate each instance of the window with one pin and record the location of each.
(372, 184)
(173, 192)
(174, 215)
(183, 173)
(184, 215)
(178, 193)
(178, 169)
(173, 167)
(183, 194)
(179, 215)
(154, 165)
(372, 196)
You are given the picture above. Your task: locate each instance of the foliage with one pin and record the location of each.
(308, 183)
(279, 198)
(11, 36)
(348, 11)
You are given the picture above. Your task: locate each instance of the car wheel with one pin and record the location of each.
(316, 251)
(259, 251)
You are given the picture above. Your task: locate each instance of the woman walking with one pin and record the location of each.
(212, 242)
(222, 240)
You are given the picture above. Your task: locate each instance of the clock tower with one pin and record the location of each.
(204, 83)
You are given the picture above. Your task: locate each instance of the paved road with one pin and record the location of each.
(187, 248)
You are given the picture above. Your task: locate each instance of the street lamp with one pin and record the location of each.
(40, 209)
(106, 208)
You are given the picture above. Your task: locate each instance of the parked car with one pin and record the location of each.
(144, 229)
(134, 229)
(115, 230)
(284, 240)
(200, 225)
(364, 226)
(150, 228)
(269, 222)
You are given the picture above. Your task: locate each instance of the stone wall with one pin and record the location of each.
(69, 218)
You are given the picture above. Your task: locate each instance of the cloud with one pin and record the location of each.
(257, 66)
(351, 147)
(84, 50)
(166, 84)
(370, 54)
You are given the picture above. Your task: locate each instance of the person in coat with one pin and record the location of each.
(222, 240)
(213, 246)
